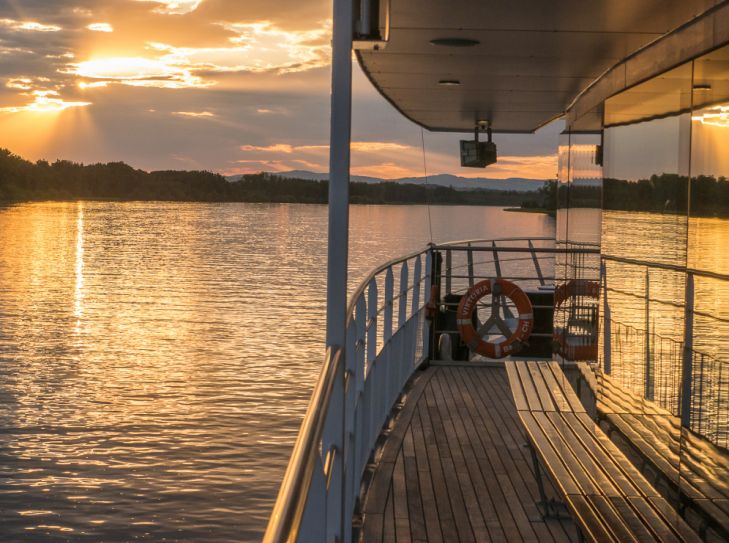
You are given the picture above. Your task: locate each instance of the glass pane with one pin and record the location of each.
(579, 225)
(706, 357)
(647, 148)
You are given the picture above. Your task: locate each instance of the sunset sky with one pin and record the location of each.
(223, 85)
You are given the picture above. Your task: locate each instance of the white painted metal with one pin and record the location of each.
(533, 59)
(339, 156)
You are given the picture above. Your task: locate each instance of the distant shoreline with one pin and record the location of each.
(550, 212)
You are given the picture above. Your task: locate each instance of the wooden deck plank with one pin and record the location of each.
(415, 502)
(487, 526)
(388, 534)
(444, 509)
(425, 481)
(519, 503)
(457, 482)
(461, 471)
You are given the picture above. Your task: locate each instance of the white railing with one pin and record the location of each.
(386, 342)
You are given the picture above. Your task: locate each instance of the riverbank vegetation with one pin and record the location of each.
(22, 180)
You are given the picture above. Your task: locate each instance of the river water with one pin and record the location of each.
(156, 358)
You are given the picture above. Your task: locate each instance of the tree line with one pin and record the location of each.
(22, 180)
(664, 193)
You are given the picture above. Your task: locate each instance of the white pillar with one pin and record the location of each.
(339, 139)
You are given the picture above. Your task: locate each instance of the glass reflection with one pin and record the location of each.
(578, 226)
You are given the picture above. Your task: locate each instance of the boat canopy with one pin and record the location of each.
(516, 65)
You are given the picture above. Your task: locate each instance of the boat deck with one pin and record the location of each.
(456, 467)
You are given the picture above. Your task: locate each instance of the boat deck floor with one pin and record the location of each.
(456, 467)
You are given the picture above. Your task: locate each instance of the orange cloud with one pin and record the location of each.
(44, 102)
(31, 26)
(175, 7)
(391, 160)
(100, 27)
(194, 114)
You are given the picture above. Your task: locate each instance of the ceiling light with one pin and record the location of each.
(455, 42)
(702, 87)
(449, 82)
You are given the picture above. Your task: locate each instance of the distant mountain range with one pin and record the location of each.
(518, 184)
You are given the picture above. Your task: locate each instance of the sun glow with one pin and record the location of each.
(31, 26)
(100, 27)
(716, 116)
(44, 102)
(138, 72)
(175, 7)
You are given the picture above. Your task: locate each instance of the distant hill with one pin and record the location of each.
(517, 184)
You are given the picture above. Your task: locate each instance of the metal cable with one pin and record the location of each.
(425, 173)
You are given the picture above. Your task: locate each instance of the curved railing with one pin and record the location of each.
(386, 341)
(352, 400)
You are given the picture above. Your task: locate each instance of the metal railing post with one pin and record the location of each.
(469, 256)
(537, 267)
(387, 337)
(448, 272)
(402, 317)
(648, 366)
(359, 360)
(372, 392)
(688, 345)
(607, 340)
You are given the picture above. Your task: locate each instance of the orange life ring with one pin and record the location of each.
(471, 336)
(575, 287)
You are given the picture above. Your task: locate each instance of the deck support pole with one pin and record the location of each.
(338, 520)
(688, 345)
(648, 362)
(607, 340)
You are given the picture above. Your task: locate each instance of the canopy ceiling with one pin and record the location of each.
(532, 59)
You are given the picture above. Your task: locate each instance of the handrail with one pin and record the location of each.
(305, 468)
(669, 267)
(290, 504)
(489, 240)
(291, 501)
(374, 273)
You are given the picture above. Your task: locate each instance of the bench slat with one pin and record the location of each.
(541, 387)
(556, 388)
(567, 389)
(527, 383)
(573, 465)
(516, 389)
(609, 497)
(592, 527)
(548, 456)
(623, 522)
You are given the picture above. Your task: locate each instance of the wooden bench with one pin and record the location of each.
(606, 494)
(696, 470)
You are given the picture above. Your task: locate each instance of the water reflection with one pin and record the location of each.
(155, 359)
(79, 290)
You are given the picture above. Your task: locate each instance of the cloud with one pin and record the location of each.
(175, 7)
(100, 27)
(44, 102)
(390, 160)
(194, 113)
(31, 26)
(138, 72)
